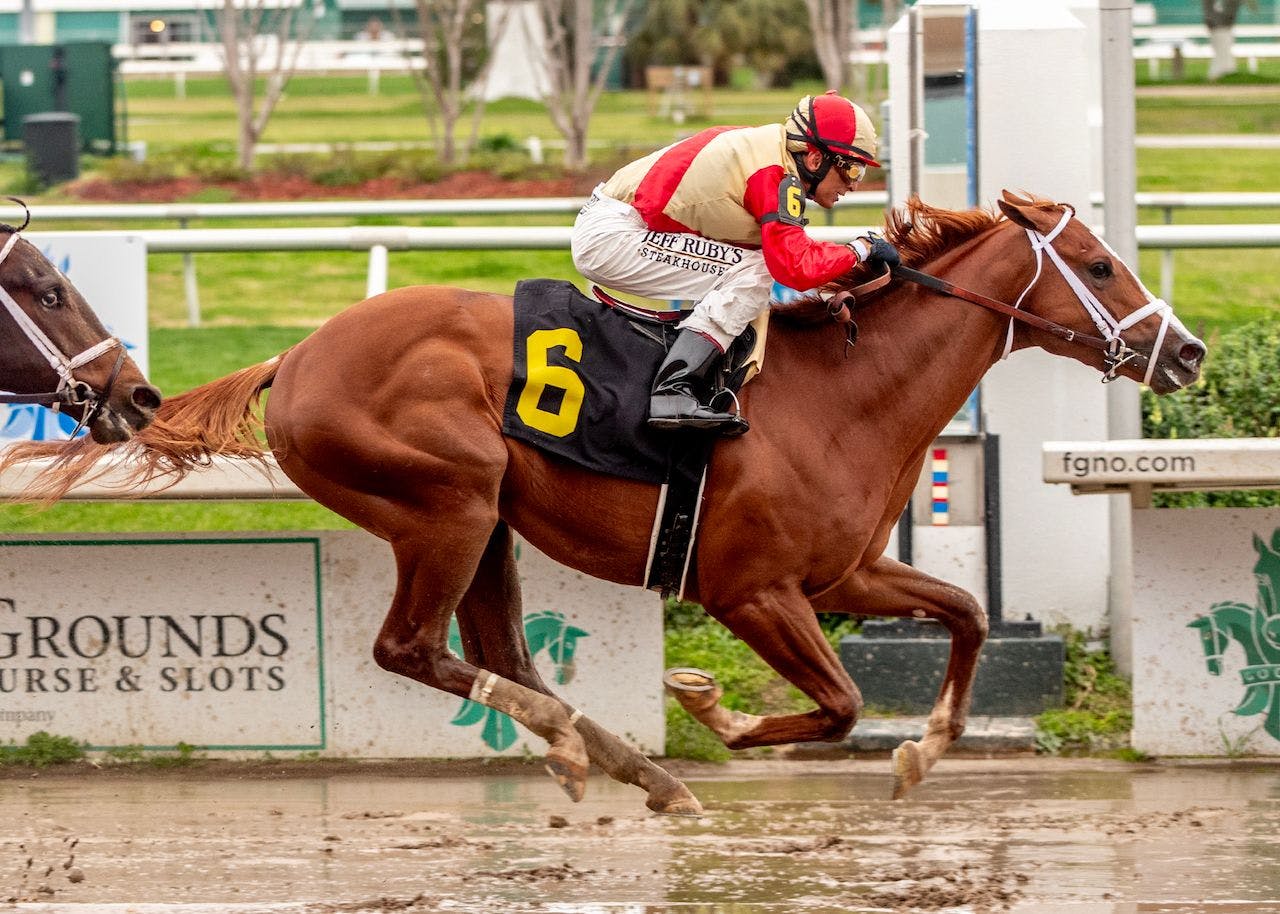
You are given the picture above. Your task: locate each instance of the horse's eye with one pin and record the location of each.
(1100, 269)
(50, 299)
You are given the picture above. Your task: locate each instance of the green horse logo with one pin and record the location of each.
(1257, 629)
(545, 631)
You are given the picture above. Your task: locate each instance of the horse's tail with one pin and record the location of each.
(218, 419)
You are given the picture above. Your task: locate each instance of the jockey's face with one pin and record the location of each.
(833, 186)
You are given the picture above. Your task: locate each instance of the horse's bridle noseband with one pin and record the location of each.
(70, 390)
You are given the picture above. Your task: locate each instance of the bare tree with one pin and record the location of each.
(833, 23)
(573, 49)
(455, 63)
(1220, 19)
(260, 39)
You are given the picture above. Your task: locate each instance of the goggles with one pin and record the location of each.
(851, 169)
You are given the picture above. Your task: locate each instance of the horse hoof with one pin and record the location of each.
(682, 803)
(571, 778)
(908, 768)
(696, 690)
(688, 679)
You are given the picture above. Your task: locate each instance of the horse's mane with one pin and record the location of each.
(922, 232)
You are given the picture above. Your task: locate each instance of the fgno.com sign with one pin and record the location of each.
(125, 640)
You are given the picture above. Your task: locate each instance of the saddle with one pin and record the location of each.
(580, 391)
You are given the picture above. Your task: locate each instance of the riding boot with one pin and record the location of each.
(683, 381)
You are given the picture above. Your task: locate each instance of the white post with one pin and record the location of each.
(1119, 182)
(190, 284)
(1036, 118)
(377, 279)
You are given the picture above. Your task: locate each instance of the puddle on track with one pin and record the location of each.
(1018, 835)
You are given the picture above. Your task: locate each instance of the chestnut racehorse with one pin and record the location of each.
(391, 413)
(55, 352)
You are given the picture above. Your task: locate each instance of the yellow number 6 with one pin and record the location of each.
(793, 201)
(541, 376)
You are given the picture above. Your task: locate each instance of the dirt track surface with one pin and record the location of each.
(1020, 835)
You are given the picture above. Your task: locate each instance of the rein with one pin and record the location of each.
(1111, 344)
(70, 391)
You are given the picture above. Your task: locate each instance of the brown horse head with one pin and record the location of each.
(1104, 315)
(54, 344)
(1084, 285)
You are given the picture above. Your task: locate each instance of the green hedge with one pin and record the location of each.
(1237, 396)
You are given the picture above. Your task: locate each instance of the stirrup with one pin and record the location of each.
(700, 416)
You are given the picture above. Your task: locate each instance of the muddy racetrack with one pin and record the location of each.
(1022, 835)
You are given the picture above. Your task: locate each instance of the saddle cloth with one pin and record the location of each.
(582, 372)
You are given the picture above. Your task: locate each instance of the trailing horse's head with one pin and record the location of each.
(56, 351)
(1076, 280)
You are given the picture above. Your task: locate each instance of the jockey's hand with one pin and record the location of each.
(872, 250)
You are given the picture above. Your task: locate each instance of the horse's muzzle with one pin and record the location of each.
(131, 409)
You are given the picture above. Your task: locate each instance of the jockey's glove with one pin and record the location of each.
(872, 249)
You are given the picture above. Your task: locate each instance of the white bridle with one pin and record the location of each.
(69, 390)
(1118, 352)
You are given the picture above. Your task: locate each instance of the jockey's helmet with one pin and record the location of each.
(837, 128)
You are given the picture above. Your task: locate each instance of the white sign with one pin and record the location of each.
(1206, 631)
(253, 643)
(111, 273)
(209, 642)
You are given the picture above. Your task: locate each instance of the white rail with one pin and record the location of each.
(187, 212)
(378, 240)
(1089, 467)
(223, 479)
(523, 238)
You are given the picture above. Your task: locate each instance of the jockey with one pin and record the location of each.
(717, 218)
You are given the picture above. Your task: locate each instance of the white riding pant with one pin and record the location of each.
(613, 247)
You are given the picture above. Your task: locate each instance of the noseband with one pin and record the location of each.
(70, 391)
(1115, 351)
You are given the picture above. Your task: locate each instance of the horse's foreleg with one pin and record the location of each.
(414, 643)
(890, 588)
(490, 621)
(783, 630)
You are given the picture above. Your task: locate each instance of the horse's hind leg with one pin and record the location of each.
(781, 628)
(435, 572)
(891, 588)
(491, 623)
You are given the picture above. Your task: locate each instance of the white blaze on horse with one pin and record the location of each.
(391, 415)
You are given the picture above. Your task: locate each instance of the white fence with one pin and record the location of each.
(177, 59)
(379, 240)
(184, 213)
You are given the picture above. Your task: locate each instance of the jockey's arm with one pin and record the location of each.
(794, 259)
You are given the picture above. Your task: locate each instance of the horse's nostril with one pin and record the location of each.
(145, 397)
(1192, 353)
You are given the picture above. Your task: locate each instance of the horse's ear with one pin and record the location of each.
(1037, 215)
(1275, 540)
(1017, 212)
(1259, 546)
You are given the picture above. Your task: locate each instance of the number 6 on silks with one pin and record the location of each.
(542, 375)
